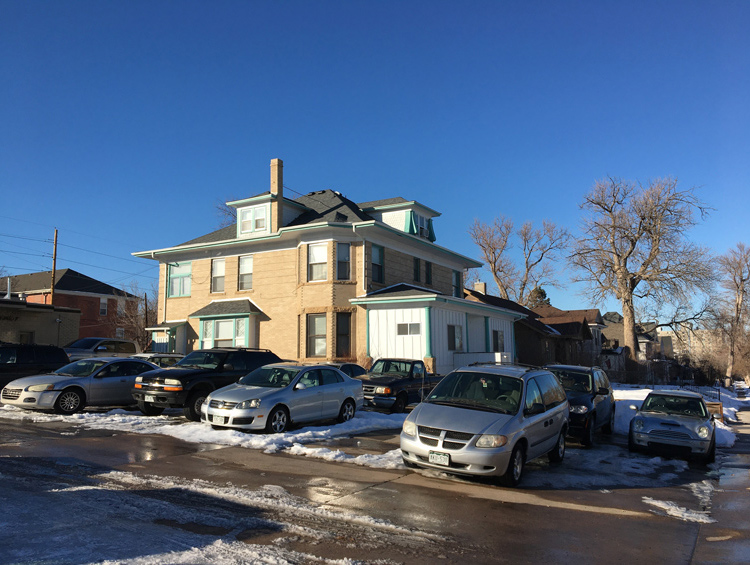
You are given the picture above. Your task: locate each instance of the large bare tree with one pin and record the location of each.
(540, 248)
(734, 273)
(633, 246)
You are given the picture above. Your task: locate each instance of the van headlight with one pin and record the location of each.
(247, 404)
(410, 428)
(491, 440)
(578, 408)
(703, 432)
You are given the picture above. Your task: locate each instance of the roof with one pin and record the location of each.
(329, 206)
(531, 320)
(220, 308)
(65, 279)
(592, 315)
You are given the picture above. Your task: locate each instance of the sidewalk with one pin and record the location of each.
(728, 539)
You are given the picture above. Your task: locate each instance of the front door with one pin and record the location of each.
(307, 403)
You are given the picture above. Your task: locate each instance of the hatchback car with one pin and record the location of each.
(272, 397)
(488, 420)
(100, 381)
(591, 399)
(674, 422)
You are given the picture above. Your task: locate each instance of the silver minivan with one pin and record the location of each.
(488, 420)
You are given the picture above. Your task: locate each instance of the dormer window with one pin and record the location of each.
(423, 229)
(253, 219)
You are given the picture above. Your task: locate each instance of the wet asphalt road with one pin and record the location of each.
(434, 518)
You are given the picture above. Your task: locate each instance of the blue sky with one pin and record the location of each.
(124, 123)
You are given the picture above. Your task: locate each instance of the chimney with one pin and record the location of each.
(277, 193)
(480, 287)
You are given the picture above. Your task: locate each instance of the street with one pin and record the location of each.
(74, 495)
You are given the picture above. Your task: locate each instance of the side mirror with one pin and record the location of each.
(633, 407)
(300, 386)
(228, 367)
(536, 408)
(603, 391)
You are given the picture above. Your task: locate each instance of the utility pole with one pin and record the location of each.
(54, 268)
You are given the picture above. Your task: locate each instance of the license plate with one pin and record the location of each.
(439, 458)
(221, 420)
(150, 398)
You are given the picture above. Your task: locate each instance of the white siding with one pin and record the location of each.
(384, 338)
(441, 319)
(477, 335)
(395, 219)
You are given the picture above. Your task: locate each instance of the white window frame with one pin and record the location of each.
(218, 275)
(317, 345)
(253, 219)
(102, 306)
(347, 262)
(411, 328)
(316, 252)
(245, 283)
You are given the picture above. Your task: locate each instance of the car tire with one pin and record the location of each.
(514, 472)
(149, 409)
(69, 402)
(609, 427)
(192, 408)
(588, 431)
(710, 457)
(400, 405)
(632, 447)
(278, 420)
(347, 411)
(409, 464)
(558, 453)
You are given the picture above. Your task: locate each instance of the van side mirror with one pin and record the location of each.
(603, 391)
(536, 408)
(228, 367)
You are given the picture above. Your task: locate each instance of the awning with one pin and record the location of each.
(225, 308)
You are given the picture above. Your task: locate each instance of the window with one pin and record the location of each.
(343, 261)
(224, 333)
(533, 396)
(329, 377)
(417, 270)
(408, 329)
(179, 279)
(455, 338)
(423, 226)
(316, 335)
(253, 219)
(378, 272)
(343, 334)
(102, 306)
(317, 256)
(120, 332)
(428, 272)
(217, 275)
(498, 341)
(457, 284)
(245, 277)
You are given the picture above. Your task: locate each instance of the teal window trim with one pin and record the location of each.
(431, 237)
(172, 277)
(428, 331)
(411, 223)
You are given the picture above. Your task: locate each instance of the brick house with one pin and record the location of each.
(311, 278)
(101, 305)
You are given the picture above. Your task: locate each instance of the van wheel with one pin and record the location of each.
(192, 409)
(514, 472)
(557, 454)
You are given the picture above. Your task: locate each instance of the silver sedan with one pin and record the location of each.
(99, 381)
(273, 396)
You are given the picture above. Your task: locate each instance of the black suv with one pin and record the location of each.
(187, 384)
(591, 400)
(21, 360)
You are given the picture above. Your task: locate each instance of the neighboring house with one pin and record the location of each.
(583, 330)
(646, 336)
(316, 278)
(100, 304)
(535, 343)
(26, 322)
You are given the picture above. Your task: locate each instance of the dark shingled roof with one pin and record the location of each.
(223, 234)
(328, 206)
(227, 308)
(65, 279)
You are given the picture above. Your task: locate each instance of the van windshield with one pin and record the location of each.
(479, 390)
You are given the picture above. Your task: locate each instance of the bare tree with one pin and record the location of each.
(140, 313)
(634, 247)
(226, 214)
(540, 248)
(734, 272)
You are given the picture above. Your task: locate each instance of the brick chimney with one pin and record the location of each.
(480, 287)
(277, 191)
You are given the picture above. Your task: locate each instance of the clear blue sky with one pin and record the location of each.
(123, 123)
